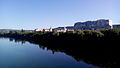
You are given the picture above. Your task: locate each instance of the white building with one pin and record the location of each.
(70, 28)
(93, 25)
(38, 29)
(60, 29)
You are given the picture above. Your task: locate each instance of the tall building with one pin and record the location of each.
(93, 25)
(116, 26)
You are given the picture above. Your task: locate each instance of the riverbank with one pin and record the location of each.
(73, 36)
(69, 37)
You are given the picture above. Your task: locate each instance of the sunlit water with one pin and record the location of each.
(17, 55)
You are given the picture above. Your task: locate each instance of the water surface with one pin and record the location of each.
(17, 55)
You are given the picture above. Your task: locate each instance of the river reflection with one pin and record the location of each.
(49, 55)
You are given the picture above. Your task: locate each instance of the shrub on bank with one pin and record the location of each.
(107, 34)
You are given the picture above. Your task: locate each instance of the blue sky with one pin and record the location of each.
(31, 14)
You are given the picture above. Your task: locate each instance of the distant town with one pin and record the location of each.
(88, 25)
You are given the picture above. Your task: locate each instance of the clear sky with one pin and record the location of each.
(31, 14)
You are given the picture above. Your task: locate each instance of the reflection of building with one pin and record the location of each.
(93, 25)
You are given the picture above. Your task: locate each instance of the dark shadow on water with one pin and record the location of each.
(98, 53)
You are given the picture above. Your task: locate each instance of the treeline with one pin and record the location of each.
(107, 34)
(70, 37)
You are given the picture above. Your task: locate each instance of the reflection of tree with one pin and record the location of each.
(97, 55)
(23, 42)
(17, 40)
(11, 39)
(90, 53)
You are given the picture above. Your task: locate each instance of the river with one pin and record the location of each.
(15, 54)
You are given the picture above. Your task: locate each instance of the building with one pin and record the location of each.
(70, 28)
(88, 25)
(60, 29)
(64, 29)
(93, 25)
(38, 29)
(116, 26)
